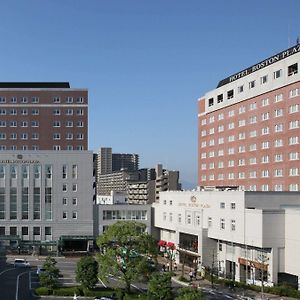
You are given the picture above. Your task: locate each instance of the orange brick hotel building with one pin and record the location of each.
(248, 127)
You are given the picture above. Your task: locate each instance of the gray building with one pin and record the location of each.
(125, 161)
(46, 196)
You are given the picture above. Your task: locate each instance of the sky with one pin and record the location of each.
(144, 63)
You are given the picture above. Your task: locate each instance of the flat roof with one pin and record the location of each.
(38, 85)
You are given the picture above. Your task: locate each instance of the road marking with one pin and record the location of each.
(17, 287)
(102, 282)
(6, 271)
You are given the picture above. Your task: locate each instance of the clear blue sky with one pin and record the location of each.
(145, 63)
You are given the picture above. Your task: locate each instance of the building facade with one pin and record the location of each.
(43, 116)
(45, 195)
(248, 127)
(241, 234)
(125, 161)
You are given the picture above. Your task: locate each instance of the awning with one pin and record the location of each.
(189, 252)
(171, 245)
(162, 243)
(76, 237)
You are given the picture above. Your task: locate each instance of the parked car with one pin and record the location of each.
(21, 263)
(40, 270)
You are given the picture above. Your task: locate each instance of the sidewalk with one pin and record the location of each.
(205, 284)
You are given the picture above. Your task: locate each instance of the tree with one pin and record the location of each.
(87, 271)
(49, 278)
(189, 294)
(125, 249)
(160, 287)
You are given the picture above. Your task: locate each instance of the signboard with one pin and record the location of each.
(253, 264)
(267, 62)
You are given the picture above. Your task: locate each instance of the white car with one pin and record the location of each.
(40, 270)
(21, 263)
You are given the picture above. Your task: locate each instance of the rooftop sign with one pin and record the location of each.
(275, 58)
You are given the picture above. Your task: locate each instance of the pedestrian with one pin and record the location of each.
(175, 266)
(191, 275)
(168, 267)
(195, 274)
(164, 268)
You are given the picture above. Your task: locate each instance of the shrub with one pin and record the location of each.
(43, 291)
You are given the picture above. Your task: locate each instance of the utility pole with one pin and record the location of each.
(212, 269)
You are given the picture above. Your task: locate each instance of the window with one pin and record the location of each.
(265, 173)
(24, 112)
(36, 230)
(231, 151)
(80, 112)
(242, 109)
(69, 136)
(252, 160)
(293, 187)
(221, 141)
(265, 116)
(222, 223)
(232, 205)
(74, 187)
(230, 175)
(64, 201)
(211, 102)
(34, 124)
(222, 205)
(69, 112)
(278, 143)
(56, 124)
(294, 140)
(74, 215)
(294, 93)
(252, 174)
(221, 116)
(277, 74)
(252, 120)
(35, 100)
(24, 230)
(292, 69)
(278, 113)
(294, 124)
(231, 163)
(64, 215)
(24, 100)
(242, 123)
(56, 112)
(241, 162)
(265, 145)
(35, 111)
(265, 187)
(231, 113)
(24, 124)
(24, 136)
(265, 102)
(211, 131)
(278, 127)
(13, 112)
(56, 136)
(69, 124)
(278, 157)
(278, 173)
(265, 130)
(252, 84)
(220, 98)
(293, 108)
(221, 152)
(203, 133)
(278, 187)
(253, 106)
(211, 142)
(231, 125)
(74, 201)
(293, 156)
(209, 222)
(188, 219)
(232, 225)
(242, 149)
(220, 128)
(265, 159)
(263, 79)
(80, 100)
(231, 138)
(241, 175)
(56, 99)
(293, 172)
(253, 133)
(278, 97)
(220, 176)
(170, 217)
(69, 100)
(74, 171)
(48, 230)
(2, 100)
(35, 136)
(240, 89)
(65, 187)
(211, 119)
(230, 94)
(2, 112)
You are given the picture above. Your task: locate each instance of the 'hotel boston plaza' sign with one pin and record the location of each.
(260, 65)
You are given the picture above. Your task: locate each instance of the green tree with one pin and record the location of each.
(189, 294)
(124, 251)
(160, 287)
(49, 278)
(87, 271)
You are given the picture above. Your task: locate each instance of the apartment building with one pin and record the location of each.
(43, 116)
(248, 127)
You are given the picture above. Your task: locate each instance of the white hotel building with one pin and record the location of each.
(236, 233)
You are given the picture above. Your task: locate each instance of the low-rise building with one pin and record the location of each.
(238, 234)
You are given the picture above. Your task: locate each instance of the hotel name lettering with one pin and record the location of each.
(19, 161)
(200, 205)
(262, 64)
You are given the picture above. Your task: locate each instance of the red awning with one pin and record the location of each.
(162, 243)
(171, 245)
